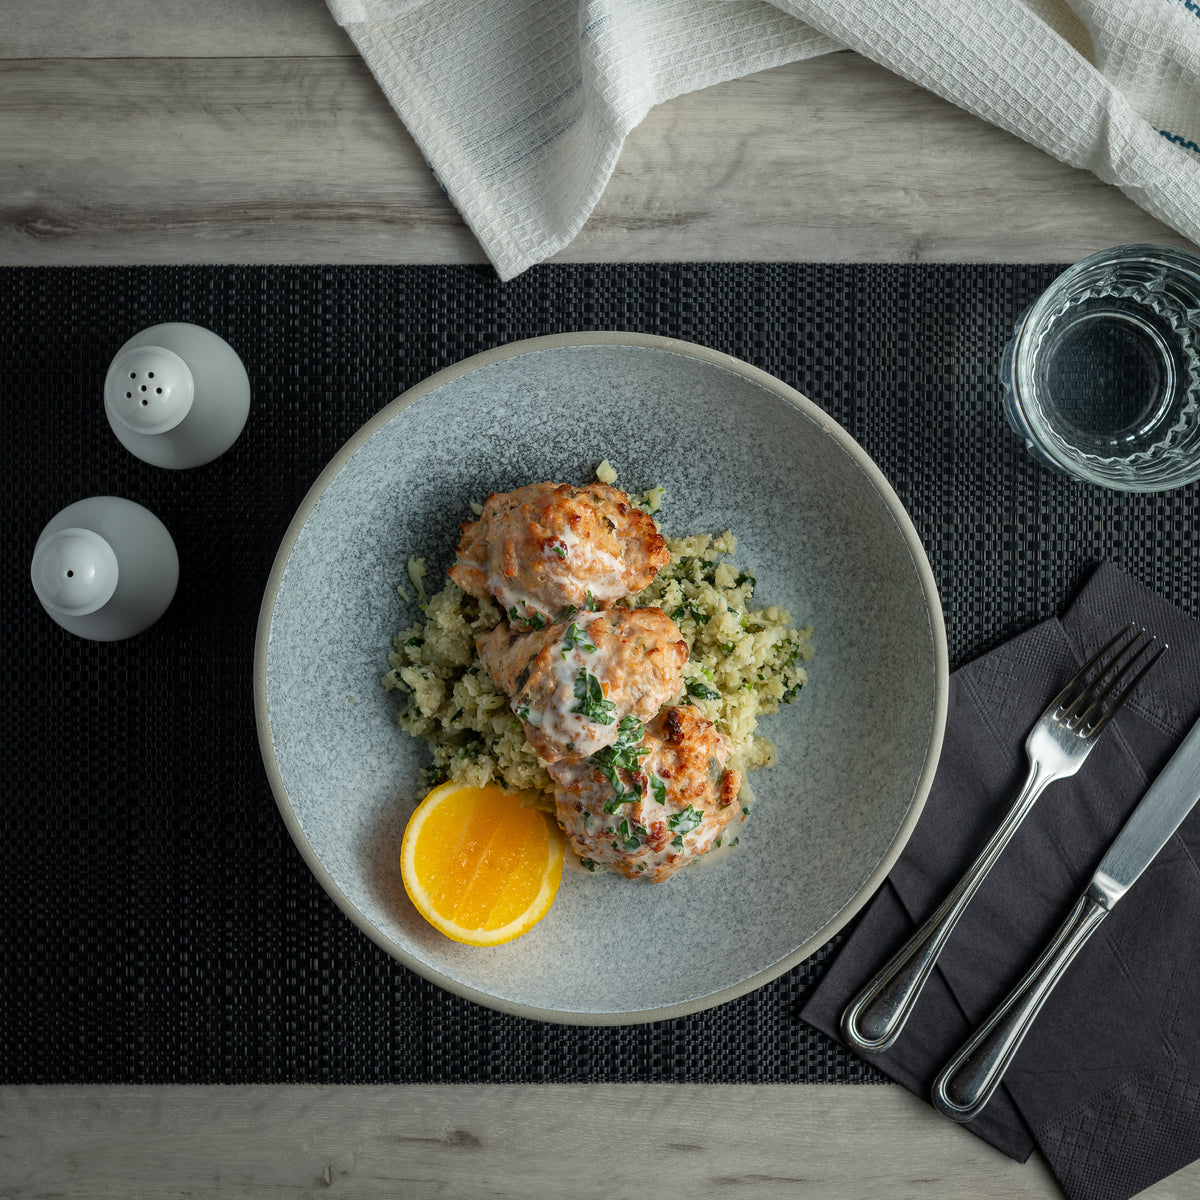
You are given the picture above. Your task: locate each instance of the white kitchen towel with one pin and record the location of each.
(521, 106)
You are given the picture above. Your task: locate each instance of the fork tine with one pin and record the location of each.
(1081, 710)
(1095, 689)
(1091, 730)
(1072, 686)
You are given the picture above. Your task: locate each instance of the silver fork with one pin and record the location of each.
(1056, 746)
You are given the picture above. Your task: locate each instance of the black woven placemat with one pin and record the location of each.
(159, 926)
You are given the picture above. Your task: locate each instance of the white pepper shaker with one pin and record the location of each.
(105, 568)
(177, 395)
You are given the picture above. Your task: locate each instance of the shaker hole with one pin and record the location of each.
(70, 574)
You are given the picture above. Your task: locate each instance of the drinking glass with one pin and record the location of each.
(1102, 377)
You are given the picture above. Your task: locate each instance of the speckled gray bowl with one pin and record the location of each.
(817, 524)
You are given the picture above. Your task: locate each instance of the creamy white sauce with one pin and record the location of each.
(603, 573)
(513, 598)
(585, 568)
(556, 716)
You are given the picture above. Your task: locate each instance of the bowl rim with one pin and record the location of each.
(828, 426)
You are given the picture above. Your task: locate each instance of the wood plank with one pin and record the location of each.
(520, 1142)
(836, 159)
(217, 160)
(302, 160)
(170, 29)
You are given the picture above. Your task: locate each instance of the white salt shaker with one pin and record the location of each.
(105, 568)
(177, 395)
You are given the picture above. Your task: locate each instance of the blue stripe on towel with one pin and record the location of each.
(1180, 141)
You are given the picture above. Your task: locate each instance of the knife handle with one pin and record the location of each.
(967, 1081)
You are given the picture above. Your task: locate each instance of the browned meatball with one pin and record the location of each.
(573, 682)
(653, 802)
(548, 550)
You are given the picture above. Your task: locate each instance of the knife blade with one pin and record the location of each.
(969, 1079)
(1157, 816)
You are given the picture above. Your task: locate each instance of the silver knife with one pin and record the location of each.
(968, 1080)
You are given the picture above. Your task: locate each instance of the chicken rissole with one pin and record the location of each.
(605, 671)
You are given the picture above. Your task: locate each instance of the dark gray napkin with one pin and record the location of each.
(1107, 1083)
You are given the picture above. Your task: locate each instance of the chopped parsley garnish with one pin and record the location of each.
(560, 550)
(537, 621)
(623, 755)
(591, 602)
(701, 690)
(685, 821)
(592, 704)
(590, 864)
(659, 788)
(693, 610)
(576, 637)
(631, 839)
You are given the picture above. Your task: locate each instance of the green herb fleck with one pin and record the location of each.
(537, 621)
(702, 691)
(631, 839)
(693, 610)
(685, 821)
(623, 755)
(592, 704)
(576, 637)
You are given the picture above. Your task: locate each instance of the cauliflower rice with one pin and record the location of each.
(744, 662)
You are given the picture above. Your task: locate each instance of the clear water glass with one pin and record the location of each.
(1102, 377)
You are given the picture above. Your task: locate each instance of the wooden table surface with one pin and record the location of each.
(248, 131)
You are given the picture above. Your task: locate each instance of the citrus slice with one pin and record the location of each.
(479, 865)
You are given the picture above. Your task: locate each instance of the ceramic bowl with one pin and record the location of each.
(819, 527)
